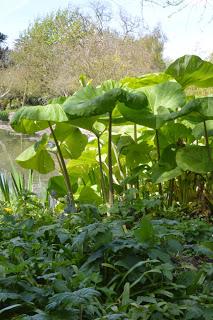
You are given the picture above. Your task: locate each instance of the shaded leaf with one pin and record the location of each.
(194, 158)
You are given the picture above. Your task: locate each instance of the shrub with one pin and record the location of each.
(4, 116)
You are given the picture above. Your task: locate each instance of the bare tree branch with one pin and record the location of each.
(102, 13)
(129, 24)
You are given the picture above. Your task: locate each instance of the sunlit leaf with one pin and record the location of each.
(36, 157)
(145, 80)
(37, 117)
(192, 70)
(74, 144)
(163, 99)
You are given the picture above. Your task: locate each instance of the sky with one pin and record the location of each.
(188, 31)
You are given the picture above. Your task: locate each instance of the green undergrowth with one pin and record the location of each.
(90, 265)
(4, 115)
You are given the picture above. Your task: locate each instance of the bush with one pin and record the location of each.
(4, 116)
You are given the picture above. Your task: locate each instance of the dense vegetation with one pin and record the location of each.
(90, 266)
(125, 230)
(143, 130)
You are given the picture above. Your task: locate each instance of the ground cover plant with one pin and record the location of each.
(4, 116)
(88, 266)
(125, 231)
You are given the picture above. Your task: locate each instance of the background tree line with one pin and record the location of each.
(55, 50)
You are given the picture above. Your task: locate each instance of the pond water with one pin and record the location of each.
(11, 145)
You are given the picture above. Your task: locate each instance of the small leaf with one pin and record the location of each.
(126, 294)
(145, 233)
(88, 195)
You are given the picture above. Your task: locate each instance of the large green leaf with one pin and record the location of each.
(86, 123)
(80, 167)
(166, 168)
(197, 110)
(192, 70)
(39, 161)
(122, 141)
(57, 186)
(62, 131)
(198, 131)
(173, 132)
(90, 101)
(88, 195)
(194, 158)
(36, 157)
(168, 95)
(168, 157)
(145, 80)
(163, 99)
(74, 144)
(27, 126)
(162, 174)
(36, 118)
(137, 154)
(87, 158)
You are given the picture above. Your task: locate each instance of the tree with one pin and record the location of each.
(52, 53)
(38, 49)
(3, 51)
(4, 90)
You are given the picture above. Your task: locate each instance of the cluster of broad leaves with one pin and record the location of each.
(140, 131)
(144, 136)
(90, 266)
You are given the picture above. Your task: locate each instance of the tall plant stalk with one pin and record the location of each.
(171, 192)
(135, 132)
(207, 141)
(103, 187)
(64, 171)
(111, 191)
(137, 178)
(158, 153)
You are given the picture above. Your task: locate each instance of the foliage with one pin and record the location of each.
(147, 136)
(3, 51)
(145, 160)
(4, 116)
(81, 266)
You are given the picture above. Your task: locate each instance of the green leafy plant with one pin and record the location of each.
(143, 132)
(4, 116)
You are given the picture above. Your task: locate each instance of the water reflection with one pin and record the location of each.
(11, 145)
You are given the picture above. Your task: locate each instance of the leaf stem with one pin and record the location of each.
(111, 191)
(171, 192)
(137, 178)
(207, 141)
(103, 188)
(64, 171)
(158, 153)
(135, 132)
